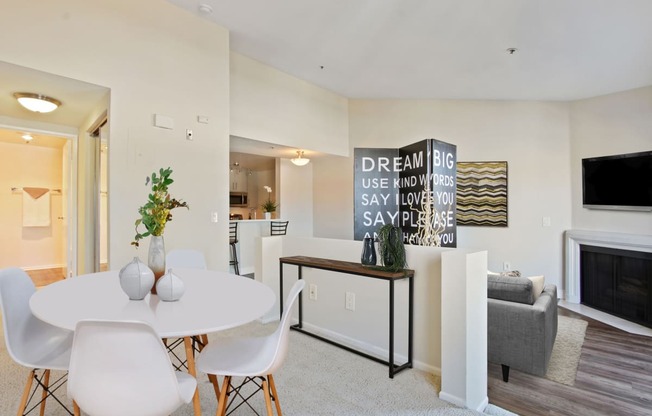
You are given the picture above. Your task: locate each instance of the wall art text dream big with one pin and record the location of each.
(413, 187)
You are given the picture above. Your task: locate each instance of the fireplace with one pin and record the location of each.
(618, 282)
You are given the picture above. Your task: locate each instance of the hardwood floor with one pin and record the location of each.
(614, 377)
(44, 277)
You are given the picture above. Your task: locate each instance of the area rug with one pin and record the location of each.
(567, 350)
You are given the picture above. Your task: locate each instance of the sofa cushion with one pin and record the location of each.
(537, 285)
(510, 288)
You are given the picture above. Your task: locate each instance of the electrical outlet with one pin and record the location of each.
(507, 266)
(313, 291)
(349, 302)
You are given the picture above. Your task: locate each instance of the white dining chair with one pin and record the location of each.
(254, 358)
(122, 368)
(31, 342)
(185, 258)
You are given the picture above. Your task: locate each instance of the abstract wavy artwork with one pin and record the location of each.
(482, 194)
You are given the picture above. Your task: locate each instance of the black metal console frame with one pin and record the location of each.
(359, 270)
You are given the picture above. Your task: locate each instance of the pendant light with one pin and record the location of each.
(300, 160)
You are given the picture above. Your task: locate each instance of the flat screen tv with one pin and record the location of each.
(619, 182)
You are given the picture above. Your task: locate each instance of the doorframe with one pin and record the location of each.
(95, 133)
(71, 237)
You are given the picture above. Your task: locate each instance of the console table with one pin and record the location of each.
(359, 270)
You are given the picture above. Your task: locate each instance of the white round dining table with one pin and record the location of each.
(213, 301)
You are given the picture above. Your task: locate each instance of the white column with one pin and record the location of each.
(464, 328)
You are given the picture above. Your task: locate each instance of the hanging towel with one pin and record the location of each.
(36, 207)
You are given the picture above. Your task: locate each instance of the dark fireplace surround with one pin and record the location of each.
(618, 282)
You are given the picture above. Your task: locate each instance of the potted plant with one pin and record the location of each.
(269, 206)
(392, 250)
(154, 216)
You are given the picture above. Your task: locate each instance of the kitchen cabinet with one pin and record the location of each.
(238, 181)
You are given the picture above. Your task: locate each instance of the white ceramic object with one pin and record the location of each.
(136, 279)
(170, 287)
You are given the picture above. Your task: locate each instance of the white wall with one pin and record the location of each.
(271, 106)
(144, 61)
(533, 137)
(366, 328)
(296, 193)
(608, 125)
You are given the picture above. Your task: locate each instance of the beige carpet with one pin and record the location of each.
(567, 350)
(317, 379)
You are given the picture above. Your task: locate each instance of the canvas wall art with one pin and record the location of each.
(482, 194)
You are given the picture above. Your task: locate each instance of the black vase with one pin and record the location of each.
(368, 257)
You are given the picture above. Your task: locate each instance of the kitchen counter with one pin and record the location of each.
(257, 220)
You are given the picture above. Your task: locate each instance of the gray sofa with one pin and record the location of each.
(521, 325)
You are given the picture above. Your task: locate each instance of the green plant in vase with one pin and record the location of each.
(391, 247)
(156, 212)
(154, 216)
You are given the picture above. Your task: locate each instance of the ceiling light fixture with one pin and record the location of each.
(27, 137)
(36, 102)
(300, 160)
(205, 8)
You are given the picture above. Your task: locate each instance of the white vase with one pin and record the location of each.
(136, 279)
(170, 287)
(156, 258)
(268, 215)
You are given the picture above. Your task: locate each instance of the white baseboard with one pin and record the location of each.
(369, 349)
(355, 344)
(462, 403)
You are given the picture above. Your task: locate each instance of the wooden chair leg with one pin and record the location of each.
(190, 358)
(268, 399)
(275, 394)
(44, 394)
(28, 387)
(75, 408)
(222, 401)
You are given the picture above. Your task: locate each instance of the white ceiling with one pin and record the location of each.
(567, 49)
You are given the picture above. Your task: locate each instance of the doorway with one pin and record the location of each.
(36, 181)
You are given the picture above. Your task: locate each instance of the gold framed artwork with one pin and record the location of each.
(482, 194)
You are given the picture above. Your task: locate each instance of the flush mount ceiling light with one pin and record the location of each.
(36, 102)
(205, 8)
(300, 160)
(27, 137)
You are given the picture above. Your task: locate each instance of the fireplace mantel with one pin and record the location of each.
(573, 239)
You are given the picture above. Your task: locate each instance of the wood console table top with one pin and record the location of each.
(346, 267)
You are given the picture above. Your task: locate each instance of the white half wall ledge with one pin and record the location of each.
(575, 238)
(464, 328)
